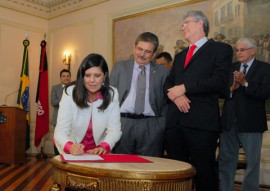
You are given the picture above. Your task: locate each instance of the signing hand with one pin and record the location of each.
(76, 149)
(97, 151)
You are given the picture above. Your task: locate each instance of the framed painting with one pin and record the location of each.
(228, 19)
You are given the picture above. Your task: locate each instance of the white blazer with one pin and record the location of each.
(73, 122)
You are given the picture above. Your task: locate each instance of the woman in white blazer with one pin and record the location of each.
(89, 115)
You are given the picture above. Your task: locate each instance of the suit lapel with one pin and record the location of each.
(251, 69)
(181, 62)
(59, 89)
(199, 51)
(152, 76)
(128, 74)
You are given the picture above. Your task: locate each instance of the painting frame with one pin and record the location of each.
(228, 17)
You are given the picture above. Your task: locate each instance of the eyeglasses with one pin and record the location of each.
(187, 22)
(242, 49)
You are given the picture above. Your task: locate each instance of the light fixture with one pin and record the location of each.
(67, 60)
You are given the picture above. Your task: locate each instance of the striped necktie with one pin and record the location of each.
(245, 68)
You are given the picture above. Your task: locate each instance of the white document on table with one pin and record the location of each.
(84, 157)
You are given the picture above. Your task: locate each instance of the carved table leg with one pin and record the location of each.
(55, 187)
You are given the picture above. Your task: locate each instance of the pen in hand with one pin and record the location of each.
(76, 148)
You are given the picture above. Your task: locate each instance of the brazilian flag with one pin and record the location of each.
(23, 95)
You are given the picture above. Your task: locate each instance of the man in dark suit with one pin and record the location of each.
(56, 95)
(142, 131)
(193, 90)
(244, 116)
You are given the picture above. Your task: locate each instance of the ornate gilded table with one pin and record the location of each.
(160, 175)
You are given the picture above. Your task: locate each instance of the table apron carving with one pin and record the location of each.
(101, 181)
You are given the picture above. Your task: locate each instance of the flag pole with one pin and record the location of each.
(23, 92)
(41, 155)
(42, 117)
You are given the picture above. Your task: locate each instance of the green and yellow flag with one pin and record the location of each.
(23, 95)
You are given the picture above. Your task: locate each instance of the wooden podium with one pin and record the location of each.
(12, 135)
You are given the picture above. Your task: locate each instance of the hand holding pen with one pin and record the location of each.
(76, 148)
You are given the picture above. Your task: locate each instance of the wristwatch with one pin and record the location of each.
(246, 84)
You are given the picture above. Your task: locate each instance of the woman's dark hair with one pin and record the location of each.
(80, 93)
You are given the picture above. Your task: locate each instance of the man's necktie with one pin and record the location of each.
(245, 68)
(140, 93)
(189, 54)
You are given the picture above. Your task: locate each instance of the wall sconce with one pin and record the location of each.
(67, 60)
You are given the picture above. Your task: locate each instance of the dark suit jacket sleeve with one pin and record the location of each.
(160, 95)
(55, 98)
(259, 87)
(226, 92)
(169, 82)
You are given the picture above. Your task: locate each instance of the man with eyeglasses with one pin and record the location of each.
(193, 87)
(244, 116)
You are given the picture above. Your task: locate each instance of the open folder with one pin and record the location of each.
(113, 158)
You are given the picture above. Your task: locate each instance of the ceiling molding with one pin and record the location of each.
(48, 9)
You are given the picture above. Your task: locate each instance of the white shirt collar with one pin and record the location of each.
(201, 42)
(249, 63)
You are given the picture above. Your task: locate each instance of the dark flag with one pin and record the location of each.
(42, 98)
(23, 95)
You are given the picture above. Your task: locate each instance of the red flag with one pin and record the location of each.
(42, 98)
